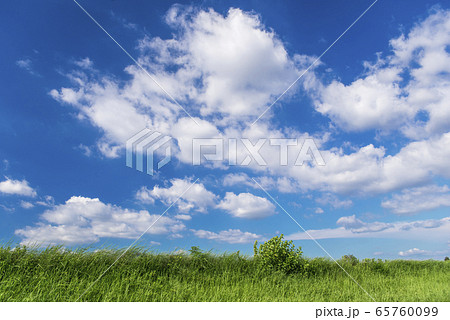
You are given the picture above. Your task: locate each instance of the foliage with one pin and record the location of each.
(350, 259)
(446, 259)
(280, 255)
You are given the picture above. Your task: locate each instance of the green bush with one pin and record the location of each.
(446, 259)
(280, 255)
(350, 259)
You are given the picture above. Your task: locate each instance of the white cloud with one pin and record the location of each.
(84, 63)
(283, 184)
(84, 220)
(87, 151)
(372, 102)
(124, 22)
(27, 65)
(350, 222)
(184, 131)
(351, 227)
(241, 178)
(185, 217)
(418, 199)
(334, 201)
(413, 78)
(246, 205)
(358, 226)
(48, 201)
(370, 171)
(17, 187)
(230, 236)
(24, 63)
(367, 171)
(6, 208)
(46, 234)
(193, 68)
(225, 86)
(144, 195)
(413, 252)
(242, 64)
(26, 204)
(106, 107)
(319, 211)
(197, 198)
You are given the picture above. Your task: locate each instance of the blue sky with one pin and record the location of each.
(376, 106)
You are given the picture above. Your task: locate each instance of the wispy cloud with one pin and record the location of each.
(27, 65)
(230, 236)
(419, 199)
(351, 227)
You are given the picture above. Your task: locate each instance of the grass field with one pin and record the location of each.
(58, 275)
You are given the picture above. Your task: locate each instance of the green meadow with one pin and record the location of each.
(55, 274)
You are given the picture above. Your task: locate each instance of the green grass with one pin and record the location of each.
(57, 275)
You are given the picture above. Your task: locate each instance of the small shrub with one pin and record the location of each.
(446, 259)
(350, 259)
(280, 255)
(196, 252)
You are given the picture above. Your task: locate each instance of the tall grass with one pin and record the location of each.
(55, 274)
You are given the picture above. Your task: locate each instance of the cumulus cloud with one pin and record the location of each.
(197, 198)
(247, 205)
(369, 103)
(224, 86)
(227, 87)
(231, 236)
(370, 171)
(395, 89)
(17, 187)
(84, 220)
(106, 107)
(241, 62)
(418, 199)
